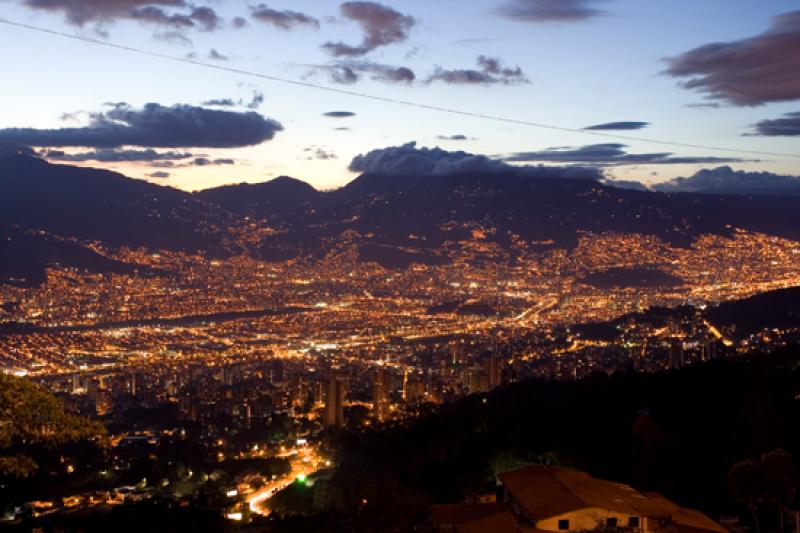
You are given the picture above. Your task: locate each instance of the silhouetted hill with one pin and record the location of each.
(282, 195)
(92, 204)
(392, 220)
(774, 309)
(742, 318)
(27, 254)
(40, 202)
(423, 212)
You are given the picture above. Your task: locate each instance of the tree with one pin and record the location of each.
(770, 479)
(745, 487)
(33, 424)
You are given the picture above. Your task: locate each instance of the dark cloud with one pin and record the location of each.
(159, 174)
(172, 17)
(339, 114)
(381, 25)
(80, 12)
(786, 126)
(283, 19)
(107, 155)
(627, 184)
(349, 72)
(749, 72)
(204, 161)
(491, 72)
(619, 126)
(206, 18)
(220, 102)
(256, 101)
(612, 154)
(549, 10)
(156, 15)
(216, 56)
(704, 105)
(453, 138)
(154, 126)
(408, 160)
(239, 22)
(725, 180)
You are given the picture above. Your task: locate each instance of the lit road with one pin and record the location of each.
(303, 461)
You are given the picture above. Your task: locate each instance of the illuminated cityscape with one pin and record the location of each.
(363, 266)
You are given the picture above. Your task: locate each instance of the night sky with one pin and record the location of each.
(722, 73)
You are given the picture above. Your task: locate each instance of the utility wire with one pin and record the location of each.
(396, 101)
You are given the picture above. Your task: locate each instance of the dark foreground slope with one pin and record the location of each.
(678, 433)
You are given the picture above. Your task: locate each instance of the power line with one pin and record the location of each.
(396, 101)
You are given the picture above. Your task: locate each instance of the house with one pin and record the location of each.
(542, 498)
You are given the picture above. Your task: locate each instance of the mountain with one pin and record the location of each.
(392, 220)
(420, 213)
(741, 318)
(93, 204)
(283, 195)
(26, 254)
(48, 211)
(773, 309)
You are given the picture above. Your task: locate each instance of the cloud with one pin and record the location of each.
(748, 72)
(408, 160)
(725, 180)
(107, 155)
(154, 126)
(491, 72)
(216, 56)
(458, 137)
(220, 102)
(786, 126)
(256, 101)
(339, 114)
(351, 71)
(204, 161)
(171, 17)
(612, 154)
(206, 18)
(626, 184)
(540, 11)
(381, 25)
(285, 20)
(80, 12)
(159, 174)
(619, 126)
(317, 152)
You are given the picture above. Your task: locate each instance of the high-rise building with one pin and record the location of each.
(335, 391)
(492, 369)
(380, 395)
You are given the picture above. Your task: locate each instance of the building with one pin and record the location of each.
(335, 390)
(380, 395)
(548, 498)
(676, 355)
